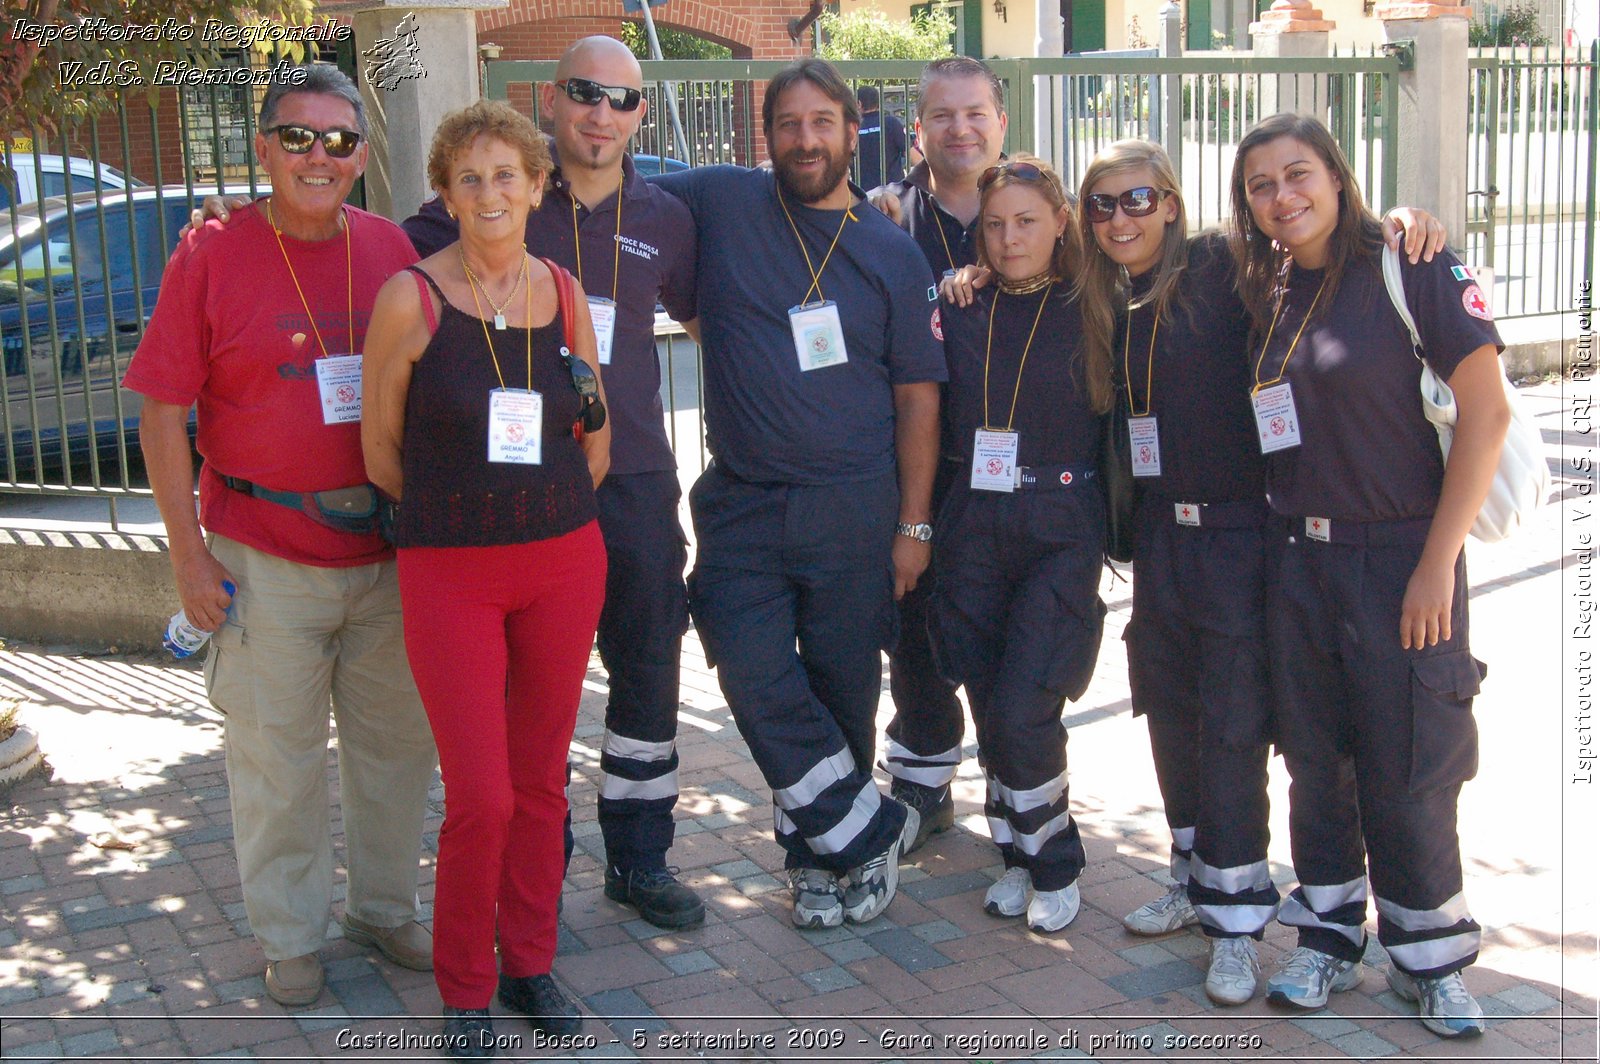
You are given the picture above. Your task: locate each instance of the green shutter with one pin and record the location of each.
(1088, 26)
(1198, 39)
(972, 28)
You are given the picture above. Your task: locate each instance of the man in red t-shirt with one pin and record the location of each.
(258, 326)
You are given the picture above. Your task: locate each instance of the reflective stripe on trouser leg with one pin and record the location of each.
(638, 784)
(1337, 912)
(831, 777)
(926, 770)
(1182, 852)
(1035, 830)
(1232, 901)
(1429, 942)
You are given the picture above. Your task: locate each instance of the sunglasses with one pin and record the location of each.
(297, 140)
(592, 412)
(1021, 171)
(589, 93)
(1135, 203)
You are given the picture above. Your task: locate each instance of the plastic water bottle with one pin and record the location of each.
(183, 638)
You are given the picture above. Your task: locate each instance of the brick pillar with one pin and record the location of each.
(1292, 29)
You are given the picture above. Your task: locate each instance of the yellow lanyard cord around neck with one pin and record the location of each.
(1149, 368)
(988, 345)
(937, 224)
(349, 278)
(816, 272)
(499, 308)
(472, 283)
(1260, 384)
(616, 254)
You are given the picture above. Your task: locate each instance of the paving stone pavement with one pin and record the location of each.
(122, 933)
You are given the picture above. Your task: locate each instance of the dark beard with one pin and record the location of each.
(810, 191)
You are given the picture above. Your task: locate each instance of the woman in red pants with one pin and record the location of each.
(472, 396)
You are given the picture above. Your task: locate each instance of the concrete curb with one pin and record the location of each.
(84, 589)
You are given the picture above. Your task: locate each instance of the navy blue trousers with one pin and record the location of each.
(1378, 741)
(793, 599)
(639, 639)
(1197, 671)
(1017, 621)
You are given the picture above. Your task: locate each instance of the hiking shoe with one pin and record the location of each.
(1308, 976)
(468, 1033)
(1009, 894)
(1231, 978)
(872, 885)
(538, 998)
(1444, 1005)
(657, 894)
(1051, 910)
(933, 804)
(296, 980)
(818, 898)
(410, 945)
(1166, 914)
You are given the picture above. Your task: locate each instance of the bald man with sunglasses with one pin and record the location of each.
(630, 245)
(258, 325)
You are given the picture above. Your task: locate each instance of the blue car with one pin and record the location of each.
(648, 165)
(78, 283)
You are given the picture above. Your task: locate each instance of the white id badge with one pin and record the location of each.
(818, 336)
(339, 383)
(1186, 513)
(516, 426)
(994, 460)
(1277, 425)
(603, 316)
(1319, 528)
(1146, 443)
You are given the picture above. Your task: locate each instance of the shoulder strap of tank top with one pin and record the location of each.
(424, 282)
(564, 296)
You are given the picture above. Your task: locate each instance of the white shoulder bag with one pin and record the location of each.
(1522, 479)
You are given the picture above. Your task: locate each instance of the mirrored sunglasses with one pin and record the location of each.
(589, 93)
(1021, 171)
(297, 140)
(591, 412)
(1135, 203)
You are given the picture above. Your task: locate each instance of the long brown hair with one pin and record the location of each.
(1261, 262)
(1101, 290)
(1064, 265)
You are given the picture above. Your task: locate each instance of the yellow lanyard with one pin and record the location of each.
(1260, 384)
(1149, 368)
(937, 224)
(988, 345)
(616, 255)
(472, 283)
(816, 273)
(349, 278)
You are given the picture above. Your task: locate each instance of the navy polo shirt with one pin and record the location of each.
(878, 125)
(766, 420)
(650, 259)
(1196, 382)
(945, 242)
(1367, 453)
(1053, 419)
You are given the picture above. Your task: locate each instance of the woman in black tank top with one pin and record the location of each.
(477, 373)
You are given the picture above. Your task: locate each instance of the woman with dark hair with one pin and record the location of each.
(1016, 618)
(472, 397)
(1367, 588)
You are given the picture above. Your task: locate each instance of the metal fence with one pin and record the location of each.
(1532, 161)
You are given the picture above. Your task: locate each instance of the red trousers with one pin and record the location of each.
(498, 639)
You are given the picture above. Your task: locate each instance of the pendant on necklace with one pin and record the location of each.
(500, 322)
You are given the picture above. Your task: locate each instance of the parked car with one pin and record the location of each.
(78, 283)
(52, 172)
(655, 164)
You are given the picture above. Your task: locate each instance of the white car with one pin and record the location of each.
(52, 170)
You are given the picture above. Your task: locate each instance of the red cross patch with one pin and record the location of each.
(1473, 300)
(1066, 478)
(936, 325)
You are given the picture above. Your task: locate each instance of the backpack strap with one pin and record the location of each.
(424, 282)
(1397, 296)
(564, 296)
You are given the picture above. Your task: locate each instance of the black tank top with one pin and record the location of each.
(456, 497)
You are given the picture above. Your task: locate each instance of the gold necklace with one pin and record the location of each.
(1028, 286)
(499, 308)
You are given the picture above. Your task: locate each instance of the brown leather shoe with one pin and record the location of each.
(296, 981)
(410, 945)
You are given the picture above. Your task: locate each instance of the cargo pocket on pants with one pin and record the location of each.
(1076, 650)
(1444, 737)
(229, 685)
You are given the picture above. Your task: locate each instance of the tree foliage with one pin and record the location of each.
(1514, 24)
(33, 90)
(867, 33)
(675, 44)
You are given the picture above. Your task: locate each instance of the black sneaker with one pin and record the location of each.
(933, 804)
(657, 894)
(538, 998)
(468, 1033)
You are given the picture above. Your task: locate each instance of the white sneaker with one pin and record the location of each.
(1051, 910)
(1163, 916)
(1307, 976)
(1231, 978)
(1444, 1005)
(872, 885)
(818, 898)
(1009, 895)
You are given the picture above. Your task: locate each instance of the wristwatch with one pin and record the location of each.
(922, 533)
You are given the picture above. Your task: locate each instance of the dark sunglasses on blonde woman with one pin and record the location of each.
(1135, 203)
